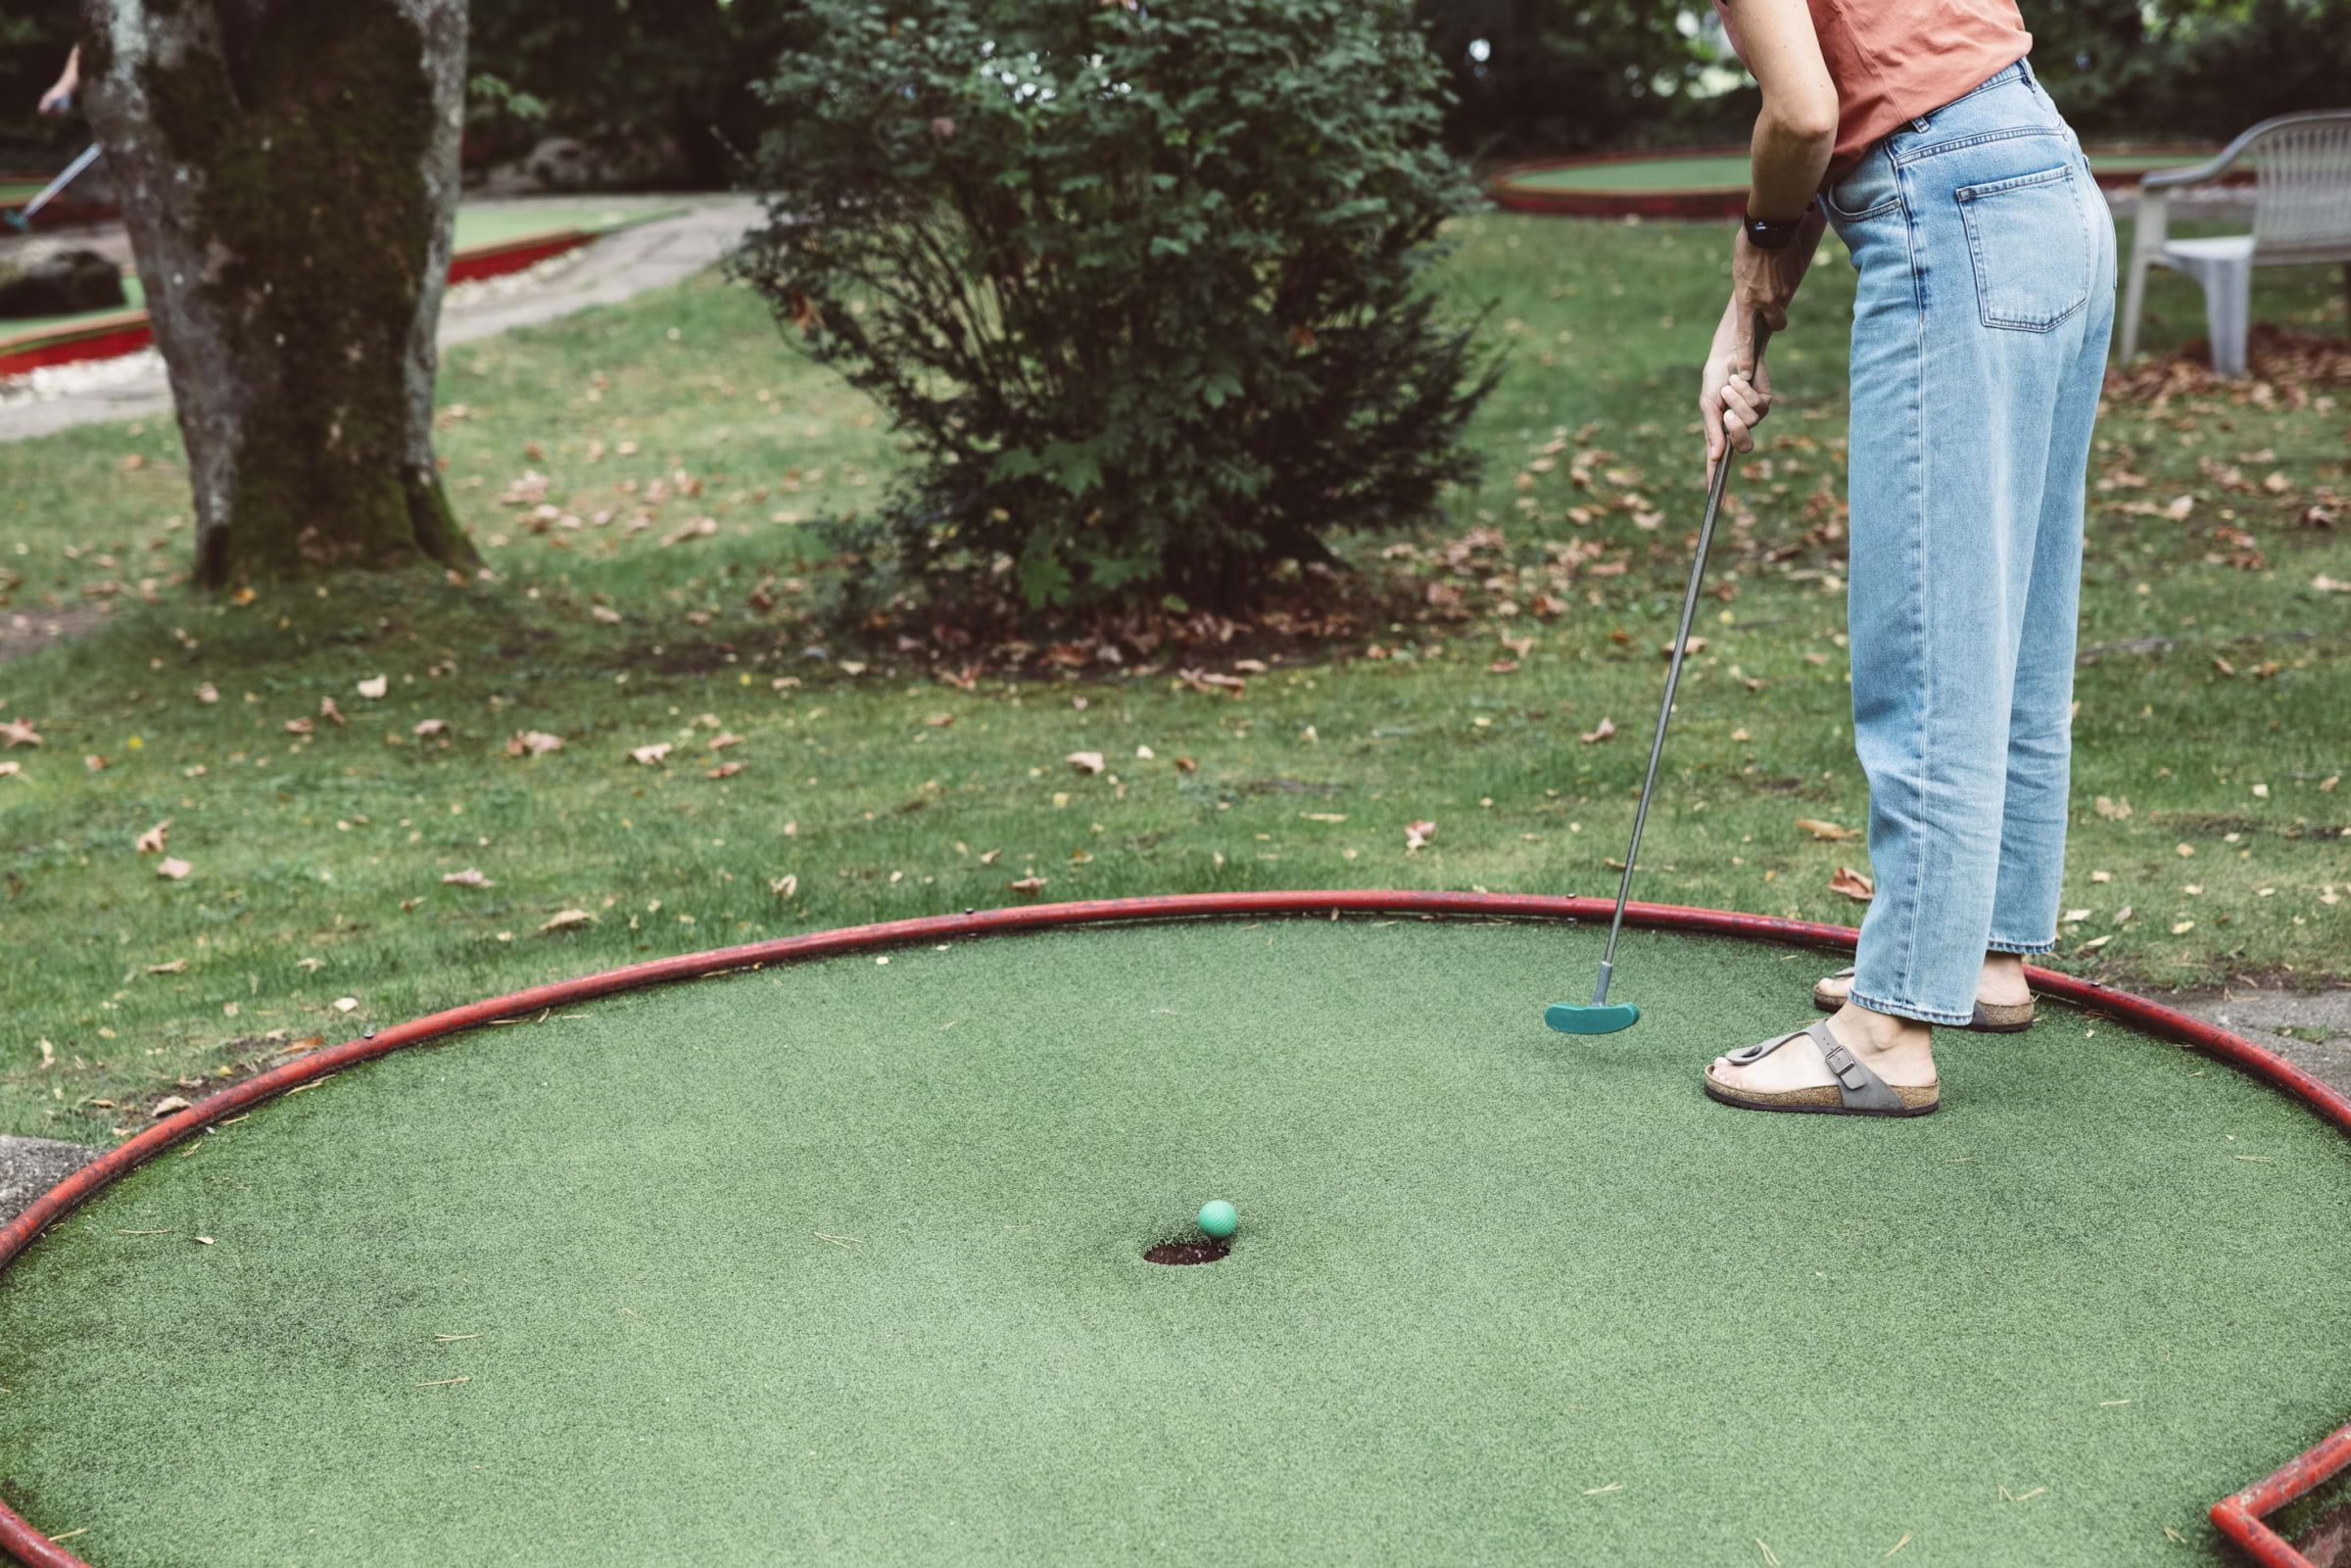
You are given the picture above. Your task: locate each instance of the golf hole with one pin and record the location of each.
(1187, 1252)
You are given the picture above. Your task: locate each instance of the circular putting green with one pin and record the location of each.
(1711, 181)
(841, 1259)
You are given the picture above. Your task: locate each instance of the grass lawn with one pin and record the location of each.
(317, 902)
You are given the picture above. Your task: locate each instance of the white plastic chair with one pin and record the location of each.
(2301, 212)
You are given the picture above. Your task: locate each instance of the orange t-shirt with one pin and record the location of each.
(1894, 60)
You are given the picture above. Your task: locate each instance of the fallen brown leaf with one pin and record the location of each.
(567, 919)
(375, 685)
(208, 692)
(650, 755)
(178, 965)
(1087, 762)
(169, 1105)
(20, 733)
(430, 727)
(328, 711)
(1854, 884)
(533, 744)
(1028, 885)
(2113, 810)
(469, 877)
(150, 843)
(725, 738)
(1827, 831)
(172, 869)
(726, 770)
(1606, 730)
(1417, 835)
(784, 886)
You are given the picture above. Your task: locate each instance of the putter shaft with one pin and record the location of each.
(1673, 678)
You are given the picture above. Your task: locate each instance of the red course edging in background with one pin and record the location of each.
(2238, 1515)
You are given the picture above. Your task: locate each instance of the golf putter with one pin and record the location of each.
(21, 218)
(1602, 1015)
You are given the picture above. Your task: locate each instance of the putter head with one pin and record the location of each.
(1583, 1018)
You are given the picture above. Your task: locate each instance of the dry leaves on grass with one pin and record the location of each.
(1031, 885)
(650, 755)
(699, 528)
(2113, 810)
(1086, 762)
(171, 868)
(784, 886)
(428, 728)
(171, 1105)
(208, 694)
(1213, 684)
(328, 711)
(178, 965)
(567, 919)
(375, 685)
(1854, 884)
(725, 770)
(1417, 835)
(20, 733)
(532, 743)
(1605, 731)
(150, 843)
(1826, 831)
(469, 877)
(11, 770)
(723, 739)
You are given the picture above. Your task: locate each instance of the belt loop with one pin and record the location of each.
(2024, 68)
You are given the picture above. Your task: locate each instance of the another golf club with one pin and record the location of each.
(21, 218)
(1601, 1016)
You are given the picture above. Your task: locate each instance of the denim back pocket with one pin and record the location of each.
(2030, 239)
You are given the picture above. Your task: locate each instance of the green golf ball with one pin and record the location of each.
(1218, 1219)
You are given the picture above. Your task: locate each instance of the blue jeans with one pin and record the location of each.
(1986, 256)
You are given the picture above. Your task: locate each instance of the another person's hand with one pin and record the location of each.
(58, 99)
(1733, 392)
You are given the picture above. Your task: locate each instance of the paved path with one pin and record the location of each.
(628, 261)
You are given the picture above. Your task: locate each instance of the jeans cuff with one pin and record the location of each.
(1907, 1009)
(1998, 946)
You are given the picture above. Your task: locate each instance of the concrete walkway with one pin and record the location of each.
(630, 260)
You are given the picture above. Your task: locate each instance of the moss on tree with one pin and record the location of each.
(311, 128)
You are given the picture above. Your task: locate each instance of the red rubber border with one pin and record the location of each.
(2238, 1515)
(130, 332)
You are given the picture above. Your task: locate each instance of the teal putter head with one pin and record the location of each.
(1597, 1017)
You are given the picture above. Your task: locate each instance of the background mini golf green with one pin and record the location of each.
(1715, 171)
(307, 848)
(842, 1262)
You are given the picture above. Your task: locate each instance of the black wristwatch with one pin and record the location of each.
(1772, 234)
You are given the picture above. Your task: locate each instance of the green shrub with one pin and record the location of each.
(1146, 294)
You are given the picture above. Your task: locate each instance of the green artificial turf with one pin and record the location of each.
(1717, 171)
(841, 1263)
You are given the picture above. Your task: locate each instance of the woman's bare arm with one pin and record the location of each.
(1793, 137)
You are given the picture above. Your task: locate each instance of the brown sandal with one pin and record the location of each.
(1857, 1091)
(1991, 1018)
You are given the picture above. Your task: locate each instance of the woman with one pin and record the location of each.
(1987, 292)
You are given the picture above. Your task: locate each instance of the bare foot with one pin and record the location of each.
(2003, 983)
(1898, 1050)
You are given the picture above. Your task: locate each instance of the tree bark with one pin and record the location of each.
(288, 171)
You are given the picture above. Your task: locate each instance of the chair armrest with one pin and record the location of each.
(2169, 179)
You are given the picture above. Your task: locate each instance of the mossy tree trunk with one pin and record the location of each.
(288, 171)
